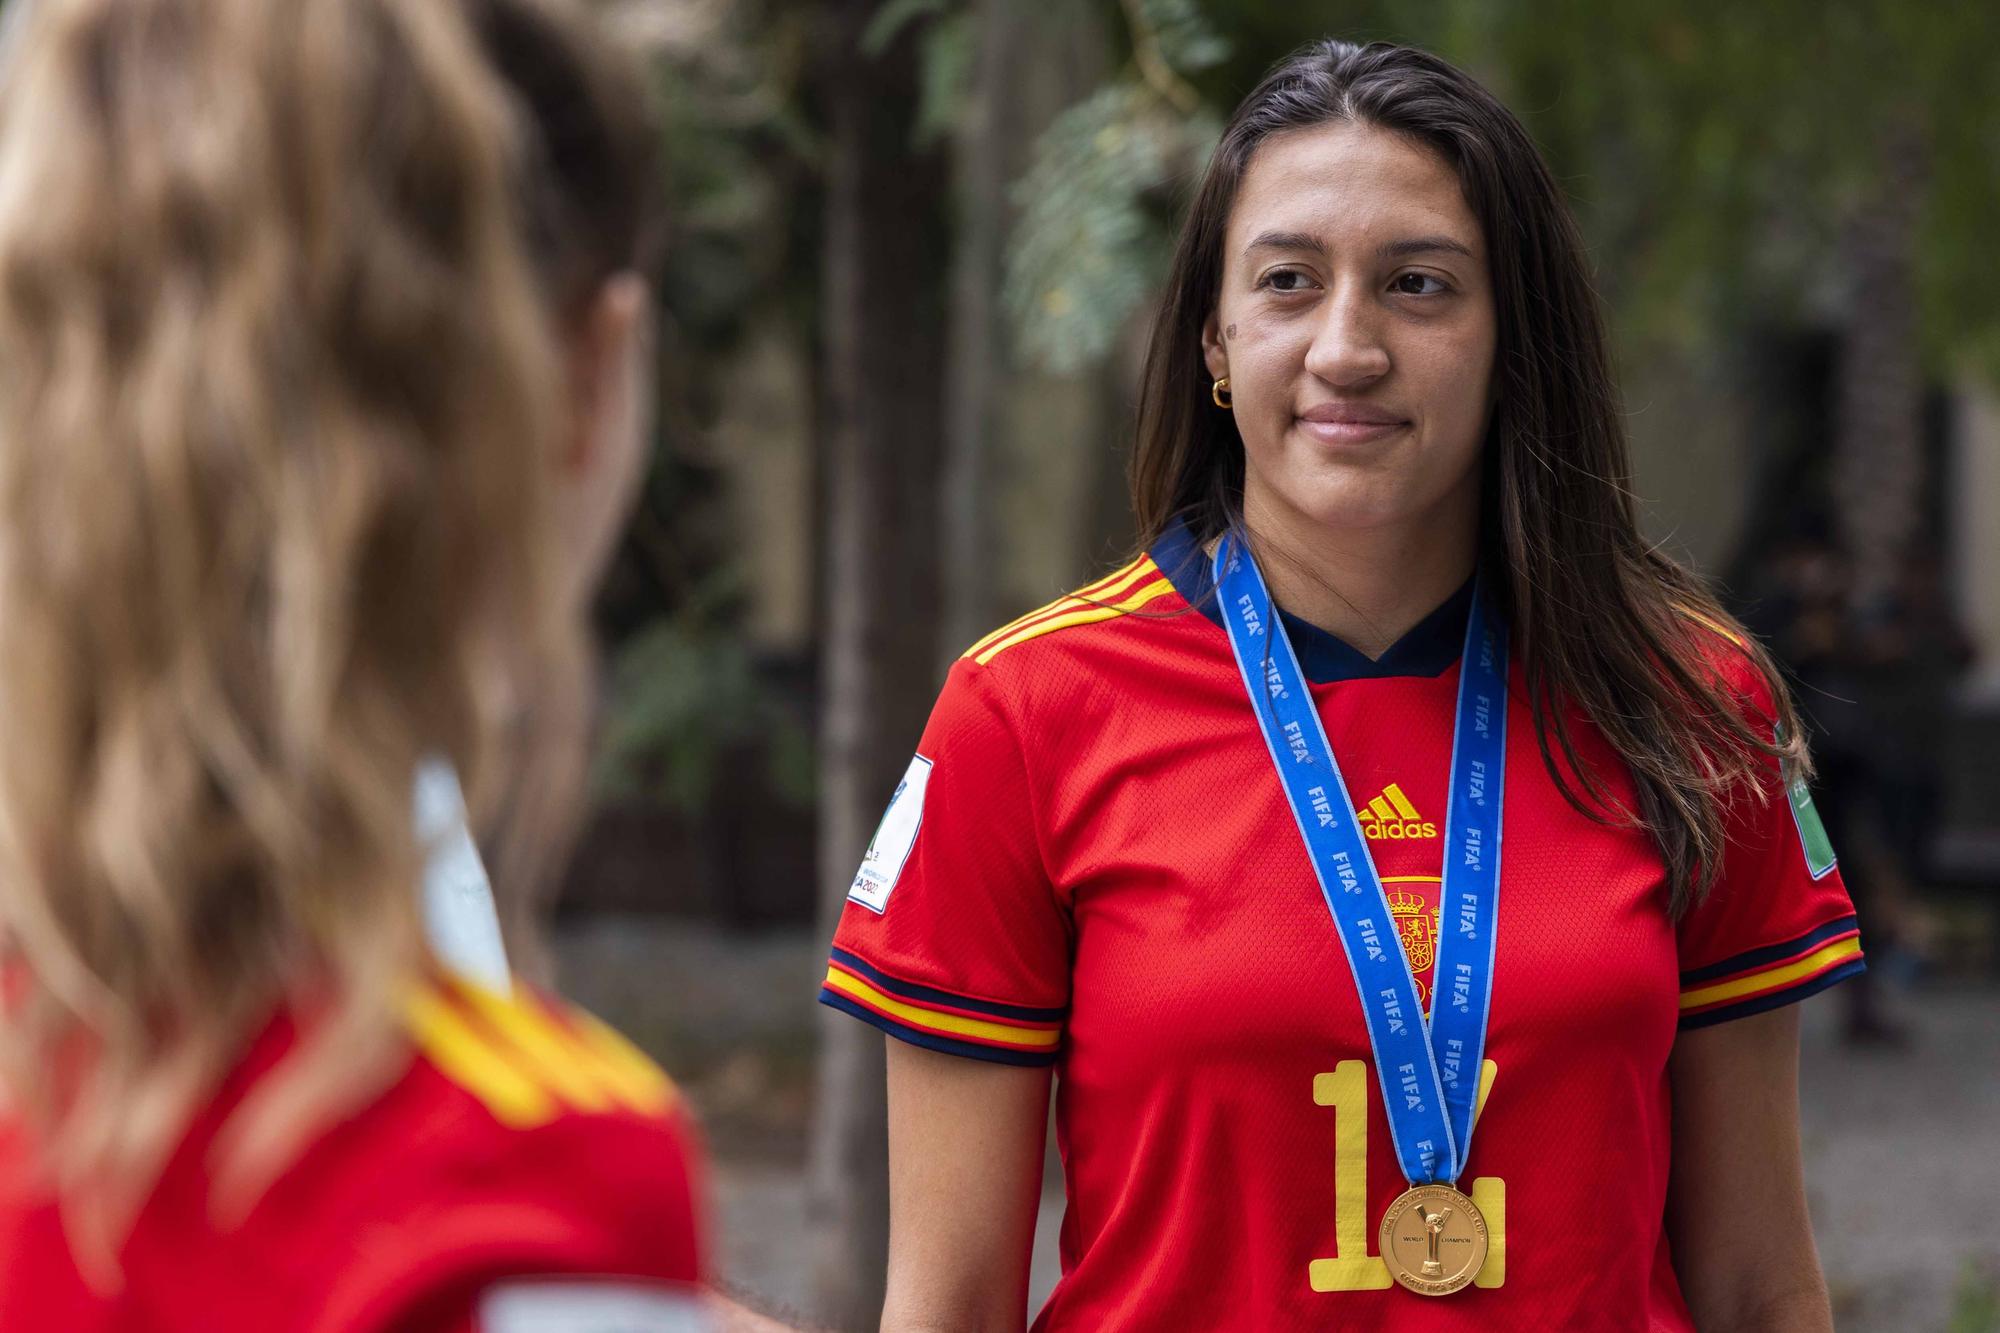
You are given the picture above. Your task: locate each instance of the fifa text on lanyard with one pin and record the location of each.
(1432, 1238)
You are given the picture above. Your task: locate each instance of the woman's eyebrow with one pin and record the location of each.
(1286, 240)
(1416, 245)
(1401, 249)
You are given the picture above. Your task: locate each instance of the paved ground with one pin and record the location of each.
(1903, 1165)
(1902, 1148)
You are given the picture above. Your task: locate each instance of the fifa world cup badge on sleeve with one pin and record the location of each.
(882, 863)
(1813, 841)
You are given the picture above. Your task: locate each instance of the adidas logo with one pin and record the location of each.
(1391, 816)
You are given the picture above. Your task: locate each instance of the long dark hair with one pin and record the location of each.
(1605, 625)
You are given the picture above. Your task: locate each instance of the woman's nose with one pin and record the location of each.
(1347, 347)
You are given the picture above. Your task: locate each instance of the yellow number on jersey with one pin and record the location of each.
(1352, 1268)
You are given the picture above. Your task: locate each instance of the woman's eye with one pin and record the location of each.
(1287, 280)
(1403, 281)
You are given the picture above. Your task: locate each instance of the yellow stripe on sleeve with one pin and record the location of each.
(1012, 625)
(1085, 616)
(588, 1063)
(642, 1083)
(1109, 586)
(555, 1055)
(1775, 979)
(956, 1024)
(1713, 624)
(472, 1062)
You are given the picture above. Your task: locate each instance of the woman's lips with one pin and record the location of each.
(1349, 432)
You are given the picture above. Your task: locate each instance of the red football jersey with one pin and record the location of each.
(1091, 864)
(529, 1163)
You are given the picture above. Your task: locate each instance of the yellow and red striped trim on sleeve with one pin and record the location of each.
(530, 1060)
(941, 1020)
(1116, 594)
(1775, 975)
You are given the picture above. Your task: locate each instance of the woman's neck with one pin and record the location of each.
(1366, 586)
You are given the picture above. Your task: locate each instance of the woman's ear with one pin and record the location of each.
(1213, 354)
(608, 373)
(604, 456)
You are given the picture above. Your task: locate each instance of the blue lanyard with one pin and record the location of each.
(1429, 1076)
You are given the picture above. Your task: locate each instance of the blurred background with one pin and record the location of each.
(914, 248)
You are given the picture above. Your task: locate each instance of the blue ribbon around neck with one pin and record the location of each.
(1429, 1071)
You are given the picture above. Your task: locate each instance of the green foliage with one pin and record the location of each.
(944, 71)
(1716, 151)
(1088, 250)
(738, 156)
(1975, 1306)
(1094, 235)
(1187, 40)
(949, 45)
(889, 20)
(733, 147)
(683, 701)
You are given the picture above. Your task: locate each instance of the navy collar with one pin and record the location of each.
(1429, 649)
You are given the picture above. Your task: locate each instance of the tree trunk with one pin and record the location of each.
(885, 280)
(989, 155)
(1878, 413)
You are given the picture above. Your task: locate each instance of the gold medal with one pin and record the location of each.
(1433, 1240)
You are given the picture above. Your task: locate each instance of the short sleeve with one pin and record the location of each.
(1777, 925)
(952, 937)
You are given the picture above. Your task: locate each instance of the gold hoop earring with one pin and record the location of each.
(1220, 393)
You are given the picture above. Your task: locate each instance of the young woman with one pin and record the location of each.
(321, 373)
(1412, 952)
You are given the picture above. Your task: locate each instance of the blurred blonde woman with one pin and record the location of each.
(321, 377)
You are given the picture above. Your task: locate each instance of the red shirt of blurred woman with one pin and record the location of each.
(528, 1160)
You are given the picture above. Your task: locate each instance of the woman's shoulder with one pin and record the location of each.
(542, 1099)
(522, 1136)
(525, 1137)
(1730, 659)
(1108, 603)
(1102, 640)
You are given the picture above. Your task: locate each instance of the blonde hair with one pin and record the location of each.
(279, 395)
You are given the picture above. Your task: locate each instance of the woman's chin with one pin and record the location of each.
(1341, 503)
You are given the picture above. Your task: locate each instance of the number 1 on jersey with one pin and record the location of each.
(1353, 1268)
